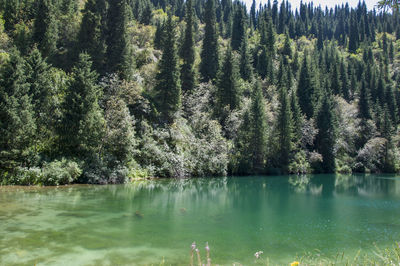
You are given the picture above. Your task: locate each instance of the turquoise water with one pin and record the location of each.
(151, 221)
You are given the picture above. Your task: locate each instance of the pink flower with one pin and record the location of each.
(193, 245)
(207, 247)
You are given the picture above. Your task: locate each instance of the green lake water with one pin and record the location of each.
(146, 222)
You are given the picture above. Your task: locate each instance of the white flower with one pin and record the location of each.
(258, 254)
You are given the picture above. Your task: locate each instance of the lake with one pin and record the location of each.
(155, 221)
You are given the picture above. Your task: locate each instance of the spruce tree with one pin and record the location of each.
(380, 90)
(305, 89)
(41, 92)
(158, 36)
(244, 164)
(82, 124)
(390, 100)
(119, 140)
(364, 103)
(168, 84)
(285, 129)
(287, 50)
(92, 33)
(320, 37)
(344, 82)
(364, 113)
(270, 39)
(209, 53)
(246, 70)
(17, 124)
(227, 85)
(238, 27)
(45, 30)
(281, 26)
(258, 136)
(326, 137)
(253, 18)
(353, 35)
(387, 125)
(188, 75)
(118, 54)
(11, 14)
(262, 62)
(297, 117)
(39, 80)
(335, 79)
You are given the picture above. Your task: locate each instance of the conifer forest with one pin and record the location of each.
(105, 91)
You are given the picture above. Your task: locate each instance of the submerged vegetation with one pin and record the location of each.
(387, 256)
(103, 91)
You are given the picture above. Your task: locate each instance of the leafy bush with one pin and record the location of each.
(185, 149)
(60, 173)
(299, 165)
(371, 157)
(51, 174)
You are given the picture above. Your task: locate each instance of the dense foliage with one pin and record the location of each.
(100, 91)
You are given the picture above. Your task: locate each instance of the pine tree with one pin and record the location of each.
(227, 85)
(305, 89)
(209, 53)
(82, 124)
(326, 137)
(118, 54)
(168, 84)
(45, 31)
(17, 124)
(246, 70)
(188, 75)
(91, 36)
(258, 130)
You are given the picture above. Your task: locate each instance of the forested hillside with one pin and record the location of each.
(101, 91)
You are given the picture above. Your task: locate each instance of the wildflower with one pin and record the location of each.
(294, 263)
(193, 245)
(207, 247)
(258, 254)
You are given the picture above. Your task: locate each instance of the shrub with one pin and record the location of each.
(59, 173)
(371, 157)
(51, 174)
